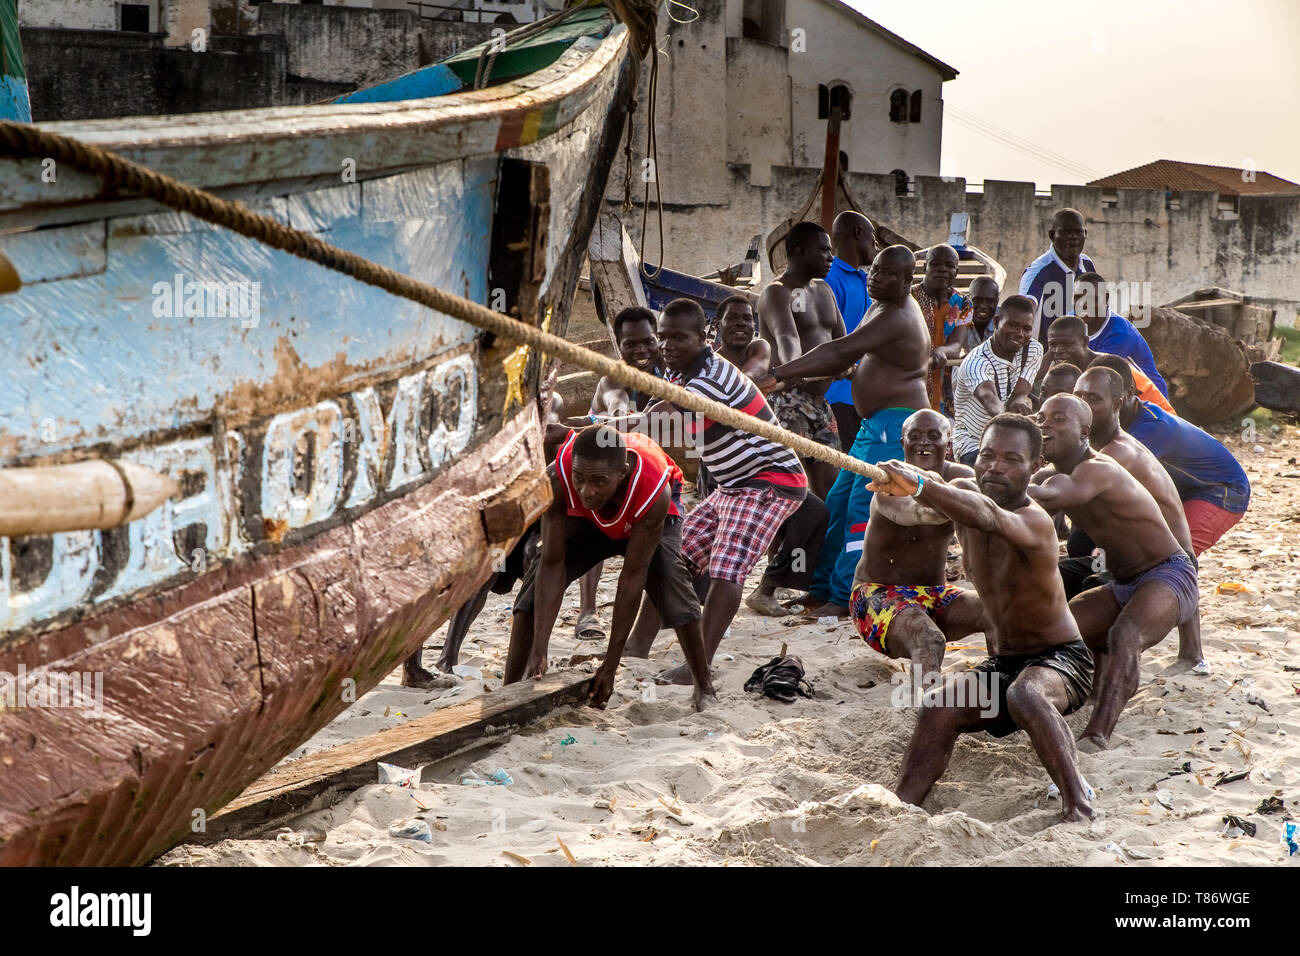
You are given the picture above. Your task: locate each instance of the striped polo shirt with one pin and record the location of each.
(734, 458)
(982, 364)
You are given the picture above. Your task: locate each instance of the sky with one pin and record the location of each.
(1071, 91)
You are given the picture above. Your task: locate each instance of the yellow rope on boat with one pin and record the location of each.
(24, 140)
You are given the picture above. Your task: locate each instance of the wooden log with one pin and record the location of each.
(322, 779)
(1277, 386)
(79, 497)
(1208, 375)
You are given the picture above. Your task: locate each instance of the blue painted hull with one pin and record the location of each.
(334, 445)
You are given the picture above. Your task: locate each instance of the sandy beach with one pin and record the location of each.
(755, 782)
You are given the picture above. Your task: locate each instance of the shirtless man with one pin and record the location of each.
(797, 312)
(612, 494)
(902, 603)
(892, 349)
(1039, 666)
(738, 342)
(1154, 588)
(1102, 390)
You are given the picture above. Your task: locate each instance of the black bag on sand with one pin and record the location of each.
(781, 678)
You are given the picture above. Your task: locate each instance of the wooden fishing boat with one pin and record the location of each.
(841, 200)
(344, 466)
(14, 101)
(619, 279)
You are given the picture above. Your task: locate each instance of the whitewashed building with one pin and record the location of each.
(744, 91)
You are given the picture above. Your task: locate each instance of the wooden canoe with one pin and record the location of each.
(350, 464)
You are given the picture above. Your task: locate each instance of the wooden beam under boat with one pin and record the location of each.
(322, 779)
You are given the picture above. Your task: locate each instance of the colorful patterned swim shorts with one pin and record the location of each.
(873, 606)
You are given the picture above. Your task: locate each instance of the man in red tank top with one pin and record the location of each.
(612, 494)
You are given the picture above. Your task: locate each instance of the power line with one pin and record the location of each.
(1050, 159)
(1020, 145)
(994, 129)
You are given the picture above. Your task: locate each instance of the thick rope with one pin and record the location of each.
(23, 140)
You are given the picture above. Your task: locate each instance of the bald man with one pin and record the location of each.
(853, 240)
(902, 603)
(1050, 277)
(1102, 390)
(1068, 342)
(1154, 588)
(892, 350)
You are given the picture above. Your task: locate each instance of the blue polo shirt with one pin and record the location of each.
(1201, 467)
(1046, 280)
(1119, 337)
(850, 288)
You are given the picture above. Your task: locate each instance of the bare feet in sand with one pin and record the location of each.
(705, 698)
(827, 610)
(414, 675)
(1076, 814)
(1091, 743)
(766, 604)
(680, 675)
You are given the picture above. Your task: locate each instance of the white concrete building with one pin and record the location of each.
(741, 114)
(768, 69)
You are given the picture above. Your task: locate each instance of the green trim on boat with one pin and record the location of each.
(535, 52)
(11, 49)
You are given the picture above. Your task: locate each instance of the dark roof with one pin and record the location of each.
(946, 71)
(1175, 176)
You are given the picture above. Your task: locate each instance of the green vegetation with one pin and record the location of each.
(1290, 344)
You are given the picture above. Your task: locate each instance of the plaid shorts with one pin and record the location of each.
(732, 528)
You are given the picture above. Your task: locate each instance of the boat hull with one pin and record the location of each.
(352, 466)
(207, 685)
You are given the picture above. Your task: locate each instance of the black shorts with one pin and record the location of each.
(667, 579)
(516, 563)
(1073, 661)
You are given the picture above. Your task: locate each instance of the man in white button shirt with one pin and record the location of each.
(995, 376)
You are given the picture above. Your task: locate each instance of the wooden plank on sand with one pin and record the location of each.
(322, 779)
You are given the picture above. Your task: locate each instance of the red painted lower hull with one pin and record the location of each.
(207, 685)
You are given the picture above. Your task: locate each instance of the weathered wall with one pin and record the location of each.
(349, 44)
(841, 50)
(758, 107)
(75, 15)
(1138, 240)
(299, 54)
(88, 74)
(180, 19)
(690, 113)
(723, 99)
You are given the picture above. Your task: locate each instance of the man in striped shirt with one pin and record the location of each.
(996, 376)
(760, 483)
